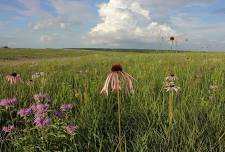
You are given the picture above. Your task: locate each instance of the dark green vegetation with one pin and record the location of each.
(76, 77)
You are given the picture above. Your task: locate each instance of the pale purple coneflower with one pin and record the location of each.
(13, 78)
(117, 76)
(71, 129)
(24, 112)
(66, 107)
(8, 102)
(8, 128)
(172, 39)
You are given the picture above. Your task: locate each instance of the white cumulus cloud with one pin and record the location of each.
(126, 21)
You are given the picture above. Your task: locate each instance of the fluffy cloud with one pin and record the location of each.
(126, 21)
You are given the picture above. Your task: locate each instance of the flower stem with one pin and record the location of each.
(170, 108)
(119, 120)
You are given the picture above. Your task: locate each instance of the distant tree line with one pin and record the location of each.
(5, 47)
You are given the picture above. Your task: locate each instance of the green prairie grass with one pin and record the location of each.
(74, 76)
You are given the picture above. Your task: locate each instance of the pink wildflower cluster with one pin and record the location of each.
(8, 128)
(8, 102)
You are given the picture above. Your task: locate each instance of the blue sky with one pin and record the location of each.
(196, 24)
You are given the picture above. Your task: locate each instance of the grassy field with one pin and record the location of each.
(77, 77)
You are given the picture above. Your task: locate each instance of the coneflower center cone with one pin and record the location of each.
(116, 68)
(172, 38)
(14, 74)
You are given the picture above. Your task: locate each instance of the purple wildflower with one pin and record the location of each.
(40, 109)
(71, 129)
(39, 97)
(66, 107)
(58, 114)
(24, 112)
(8, 129)
(8, 102)
(41, 121)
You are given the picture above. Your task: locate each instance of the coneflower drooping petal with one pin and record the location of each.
(128, 78)
(105, 89)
